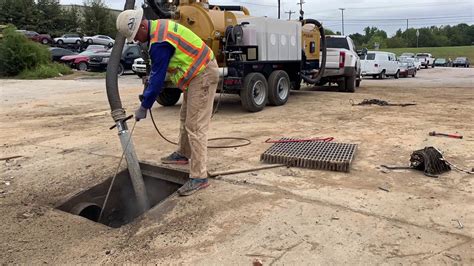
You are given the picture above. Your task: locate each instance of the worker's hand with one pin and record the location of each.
(140, 113)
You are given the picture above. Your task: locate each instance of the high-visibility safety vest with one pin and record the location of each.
(191, 54)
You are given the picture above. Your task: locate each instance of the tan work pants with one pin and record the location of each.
(195, 117)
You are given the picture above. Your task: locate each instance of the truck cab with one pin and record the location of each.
(342, 63)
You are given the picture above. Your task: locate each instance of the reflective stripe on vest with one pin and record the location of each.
(191, 53)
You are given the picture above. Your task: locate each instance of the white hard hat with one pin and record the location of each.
(128, 23)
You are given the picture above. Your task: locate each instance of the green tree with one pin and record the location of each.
(21, 13)
(98, 19)
(71, 20)
(49, 17)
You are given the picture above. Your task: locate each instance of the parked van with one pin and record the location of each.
(380, 65)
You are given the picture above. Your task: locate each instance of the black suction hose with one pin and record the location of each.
(322, 66)
(156, 6)
(111, 79)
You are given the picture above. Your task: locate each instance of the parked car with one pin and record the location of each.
(442, 62)
(57, 53)
(34, 36)
(95, 47)
(461, 62)
(129, 54)
(68, 39)
(99, 39)
(139, 67)
(426, 59)
(380, 65)
(414, 60)
(407, 69)
(80, 61)
(408, 55)
(342, 63)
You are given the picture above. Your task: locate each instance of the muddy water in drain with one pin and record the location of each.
(122, 207)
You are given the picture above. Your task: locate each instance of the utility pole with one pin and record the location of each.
(407, 24)
(342, 10)
(289, 13)
(300, 3)
(279, 8)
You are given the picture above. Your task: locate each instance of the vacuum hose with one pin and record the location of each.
(156, 6)
(111, 79)
(322, 66)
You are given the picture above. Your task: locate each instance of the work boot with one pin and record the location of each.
(193, 185)
(174, 158)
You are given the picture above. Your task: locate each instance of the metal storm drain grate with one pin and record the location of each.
(315, 155)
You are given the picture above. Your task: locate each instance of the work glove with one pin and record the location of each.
(140, 113)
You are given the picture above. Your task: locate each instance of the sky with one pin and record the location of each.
(388, 15)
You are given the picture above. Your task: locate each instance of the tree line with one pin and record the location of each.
(458, 35)
(48, 16)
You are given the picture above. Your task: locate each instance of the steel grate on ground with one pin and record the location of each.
(315, 155)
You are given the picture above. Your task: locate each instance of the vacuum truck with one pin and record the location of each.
(260, 58)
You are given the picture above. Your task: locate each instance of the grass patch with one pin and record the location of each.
(444, 52)
(45, 71)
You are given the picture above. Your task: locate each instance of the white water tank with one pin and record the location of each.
(277, 40)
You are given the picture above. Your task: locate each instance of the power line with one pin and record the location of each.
(404, 19)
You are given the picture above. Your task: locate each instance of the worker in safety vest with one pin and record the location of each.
(189, 63)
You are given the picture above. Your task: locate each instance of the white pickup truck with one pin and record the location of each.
(342, 63)
(426, 60)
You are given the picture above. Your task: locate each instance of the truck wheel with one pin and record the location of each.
(350, 84)
(254, 92)
(381, 75)
(60, 42)
(278, 88)
(397, 75)
(358, 83)
(169, 96)
(44, 41)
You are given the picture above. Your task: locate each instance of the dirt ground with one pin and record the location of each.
(279, 216)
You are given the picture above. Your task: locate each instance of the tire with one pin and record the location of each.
(169, 96)
(82, 66)
(350, 83)
(381, 75)
(254, 92)
(120, 70)
(44, 41)
(426, 66)
(78, 42)
(278, 88)
(433, 66)
(374, 76)
(90, 41)
(110, 45)
(397, 75)
(60, 42)
(414, 74)
(358, 81)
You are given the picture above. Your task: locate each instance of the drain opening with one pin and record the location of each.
(121, 209)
